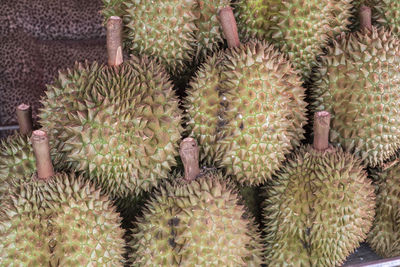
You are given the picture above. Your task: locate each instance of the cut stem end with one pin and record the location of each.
(24, 117)
(229, 27)
(365, 18)
(321, 130)
(41, 149)
(189, 152)
(114, 41)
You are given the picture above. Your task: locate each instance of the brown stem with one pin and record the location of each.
(229, 27)
(365, 18)
(41, 148)
(321, 130)
(114, 41)
(24, 117)
(189, 152)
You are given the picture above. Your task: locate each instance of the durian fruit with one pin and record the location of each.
(119, 124)
(195, 220)
(57, 219)
(246, 108)
(173, 32)
(384, 237)
(319, 207)
(384, 13)
(298, 28)
(359, 83)
(16, 153)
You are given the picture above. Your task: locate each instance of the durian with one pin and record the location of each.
(246, 108)
(319, 207)
(384, 237)
(195, 221)
(299, 28)
(16, 154)
(359, 83)
(174, 32)
(119, 125)
(384, 13)
(57, 219)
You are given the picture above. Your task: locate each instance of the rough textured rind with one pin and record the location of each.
(298, 28)
(384, 13)
(65, 222)
(119, 126)
(318, 209)
(209, 35)
(162, 30)
(17, 160)
(199, 223)
(177, 33)
(246, 109)
(384, 237)
(358, 83)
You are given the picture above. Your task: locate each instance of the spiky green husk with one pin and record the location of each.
(120, 126)
(17, 160)
(209, 32)
(318, 209)
(173, 32)
(246, 109)
(199, 223)
(384, 13)
(163, 30)
(384, 237)
(298, 28)
(358, 83)
(64, 222)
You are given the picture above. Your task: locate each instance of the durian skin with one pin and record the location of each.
(119, 125)
(17, 160)
(162, 30)
(195, 224)
(299, 28)
(358, 83)
(246, 109)
(64, 222)
(174, 32)
(384, 236)
(318, 209)
(384, 13)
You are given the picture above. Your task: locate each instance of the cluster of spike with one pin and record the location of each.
(384, 237)
(384, 13)
(118, 125)
(319, 207)
(359, 83)
(244, 102)
(195, 220)
(173, 32)
(52, 219)
(299, 28)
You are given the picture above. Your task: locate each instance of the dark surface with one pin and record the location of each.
(363, 254)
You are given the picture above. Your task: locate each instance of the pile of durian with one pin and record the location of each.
(281, 150)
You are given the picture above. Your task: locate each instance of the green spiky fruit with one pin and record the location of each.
(298, 28)
(245, 108)
(384, 237)
(359, 84)
(384, 13)
(208, 33)
(63, 222)
(17, 160)
(318, 209)
(120, 125)
(195, 224)
(173, 32)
